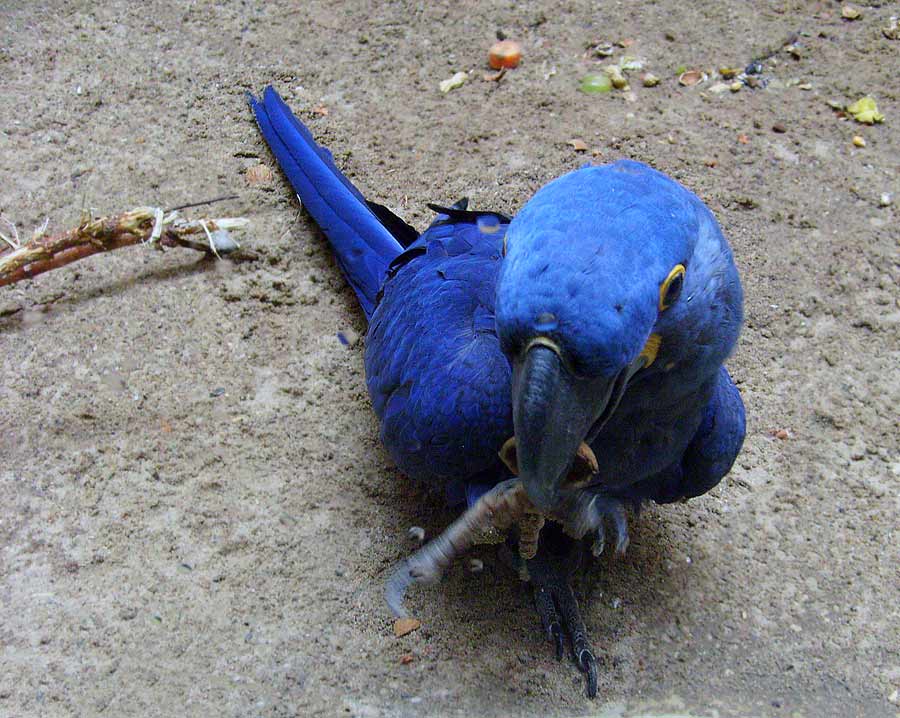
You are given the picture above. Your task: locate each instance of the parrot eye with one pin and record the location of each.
(670, 289)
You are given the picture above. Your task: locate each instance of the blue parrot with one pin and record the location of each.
(573, 354)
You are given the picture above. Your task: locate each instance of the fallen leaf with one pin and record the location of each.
(402, 626)
(865, 110)
(406, 659)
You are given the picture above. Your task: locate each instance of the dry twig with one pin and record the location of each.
(139, 226)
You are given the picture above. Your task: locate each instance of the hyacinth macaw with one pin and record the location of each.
(558, 366)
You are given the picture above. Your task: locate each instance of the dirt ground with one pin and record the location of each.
(196, 515)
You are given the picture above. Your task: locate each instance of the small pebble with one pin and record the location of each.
(859, 141)
(649, 79)
(406, 659)
(476, 565)
(416, 533)
(778, 127)
(886, 200)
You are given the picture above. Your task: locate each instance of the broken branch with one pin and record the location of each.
(138, 226)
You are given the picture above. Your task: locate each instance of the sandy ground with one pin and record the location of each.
(196, 515)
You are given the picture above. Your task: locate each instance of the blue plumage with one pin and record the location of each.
(364, 247)
(437, 377)
(602, 313)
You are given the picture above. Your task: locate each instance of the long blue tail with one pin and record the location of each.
(364, 247)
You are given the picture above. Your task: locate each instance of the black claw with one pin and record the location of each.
(555, 603)
(621, 522)
(546, 608)
(556, 635)
(588, 664)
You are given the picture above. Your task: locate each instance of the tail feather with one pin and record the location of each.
(364, 247)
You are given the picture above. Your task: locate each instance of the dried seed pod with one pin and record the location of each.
(506, 53)
(691, 78)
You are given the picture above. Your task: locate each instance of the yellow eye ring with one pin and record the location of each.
(671, 287)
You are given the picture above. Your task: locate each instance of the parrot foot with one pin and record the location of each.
(494, 512)
(557, 607)
(587, 513)
(613, 509)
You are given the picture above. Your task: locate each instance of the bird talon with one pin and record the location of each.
(599, 542)
(587, 513)
(556, 635)
(588, 664)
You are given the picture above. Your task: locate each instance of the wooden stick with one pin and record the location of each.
(138, 226)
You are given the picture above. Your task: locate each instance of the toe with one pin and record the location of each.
(588, 664)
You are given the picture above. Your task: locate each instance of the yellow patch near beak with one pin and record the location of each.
(651, 349)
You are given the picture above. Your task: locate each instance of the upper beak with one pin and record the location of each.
(553, 411)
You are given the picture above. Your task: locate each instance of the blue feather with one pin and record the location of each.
(364, 247)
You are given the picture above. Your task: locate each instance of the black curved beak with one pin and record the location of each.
(553, 412)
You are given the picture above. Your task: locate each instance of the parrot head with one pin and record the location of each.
(611, 275)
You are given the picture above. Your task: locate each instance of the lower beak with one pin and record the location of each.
(553, 411)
